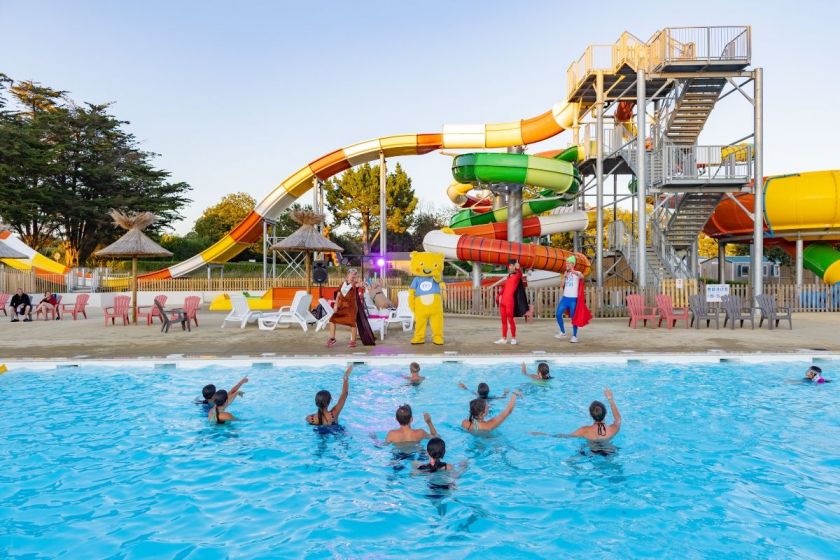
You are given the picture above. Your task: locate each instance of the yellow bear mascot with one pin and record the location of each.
(425, 297)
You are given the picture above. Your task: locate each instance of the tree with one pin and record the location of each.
(353, 200)
(67, 165)
(218, 220)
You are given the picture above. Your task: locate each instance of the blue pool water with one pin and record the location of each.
(712, 461)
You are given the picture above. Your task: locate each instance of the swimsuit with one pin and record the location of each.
(440, 466)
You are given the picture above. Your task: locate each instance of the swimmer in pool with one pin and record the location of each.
(598, 431)
(325, 417)
(483, 391)
(208, 391)
(217, 414)
(542, 374)
(436, 448)
(415, 378)
(405, 433)
(478, 410)
(814, 375)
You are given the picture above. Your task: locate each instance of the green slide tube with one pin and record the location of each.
(823, 260)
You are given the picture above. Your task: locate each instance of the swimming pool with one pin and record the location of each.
(713, 460)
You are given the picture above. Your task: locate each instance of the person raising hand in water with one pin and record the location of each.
(328, 416)
(598, 431)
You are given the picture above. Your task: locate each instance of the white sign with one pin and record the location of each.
(715, 291)
(680, 283)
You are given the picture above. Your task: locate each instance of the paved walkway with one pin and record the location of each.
(464, 336)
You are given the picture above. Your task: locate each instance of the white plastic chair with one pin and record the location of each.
(295, 314)
(404, 314)
(240, 312)
(321, 323)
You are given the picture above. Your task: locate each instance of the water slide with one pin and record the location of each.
(36, 260)
(478, 233)
(803, 205)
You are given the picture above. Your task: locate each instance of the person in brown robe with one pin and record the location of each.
(346, 307)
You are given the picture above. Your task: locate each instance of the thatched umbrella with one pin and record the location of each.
(307, 239)
(133, 244)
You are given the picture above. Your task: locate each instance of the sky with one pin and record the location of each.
(236, 96)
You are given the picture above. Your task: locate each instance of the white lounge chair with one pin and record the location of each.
(321, 323)
(404, 314)
(295, 314)
(240, 311)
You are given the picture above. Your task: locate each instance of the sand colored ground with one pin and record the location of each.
(464, 335)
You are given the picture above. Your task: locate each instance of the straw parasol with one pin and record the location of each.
(133, 244)
(307, 239)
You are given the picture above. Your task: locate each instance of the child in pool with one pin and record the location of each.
(436, 448)
(814, 375)
(415, 378)
(483, 391)
(543, 373)
(478, 411)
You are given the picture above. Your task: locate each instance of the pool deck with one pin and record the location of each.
(813, 333)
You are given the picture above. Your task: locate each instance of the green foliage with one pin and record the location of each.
(65, 165)
(218, 220)
(353, 200)
(184, 247)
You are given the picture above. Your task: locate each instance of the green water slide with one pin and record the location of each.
(557, 176)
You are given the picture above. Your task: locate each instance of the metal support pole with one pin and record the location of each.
(800, 246)
(721, 275)
(383, 211)
(265, 253)
(599, 180)
(641, 179)
(514, 218)
(274, 253)
(758, 212)
(695, 259)
(476, 287)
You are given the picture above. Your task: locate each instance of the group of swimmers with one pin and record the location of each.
(216, 401)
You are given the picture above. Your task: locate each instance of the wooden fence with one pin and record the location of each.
(604, 302)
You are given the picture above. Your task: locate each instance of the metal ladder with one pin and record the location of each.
(691, 110)
(690, 215)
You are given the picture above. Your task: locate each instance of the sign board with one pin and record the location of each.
(715, 291)
(680, 284)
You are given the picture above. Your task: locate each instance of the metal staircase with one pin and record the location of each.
(691, 213)
(694, 103)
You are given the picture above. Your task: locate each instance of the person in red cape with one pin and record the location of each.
(573, 301)
(506, 302)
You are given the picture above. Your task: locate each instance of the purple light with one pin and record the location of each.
(380, 262)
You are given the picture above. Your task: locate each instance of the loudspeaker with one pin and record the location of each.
(319, 272)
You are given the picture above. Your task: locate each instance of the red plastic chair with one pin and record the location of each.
(76, 307)
(4, 301)
(669, 313)
(122, 304)
(639, 311)
(191, 305)
(152, 311)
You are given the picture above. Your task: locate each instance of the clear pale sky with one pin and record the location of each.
(235, 96)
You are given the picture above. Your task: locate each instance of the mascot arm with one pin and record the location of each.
(443, 291)
(411, 300)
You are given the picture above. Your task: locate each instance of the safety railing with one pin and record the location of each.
(596, 58)
(710, 44)
(674, 262)
(701, 164)
(621, 239)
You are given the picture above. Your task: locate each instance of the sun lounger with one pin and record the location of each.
(240, 313)
(295, 314)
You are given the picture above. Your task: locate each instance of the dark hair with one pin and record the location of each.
(511, 261)
(483, 390)
(219, 399)
(207, 392)
(815, 369)
(404, 415)
(477, 408)
(414, 367)
(322, 401)
(598, 412)
(436, 448)
(542, 369)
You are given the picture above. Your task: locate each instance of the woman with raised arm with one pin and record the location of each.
(598, 431)
(478, 410)
(326, 416)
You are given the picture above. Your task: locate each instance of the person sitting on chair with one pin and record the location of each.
(21, 306)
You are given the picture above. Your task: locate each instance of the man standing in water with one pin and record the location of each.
(572, 284)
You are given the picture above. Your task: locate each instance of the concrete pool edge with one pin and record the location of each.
(623, 358)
